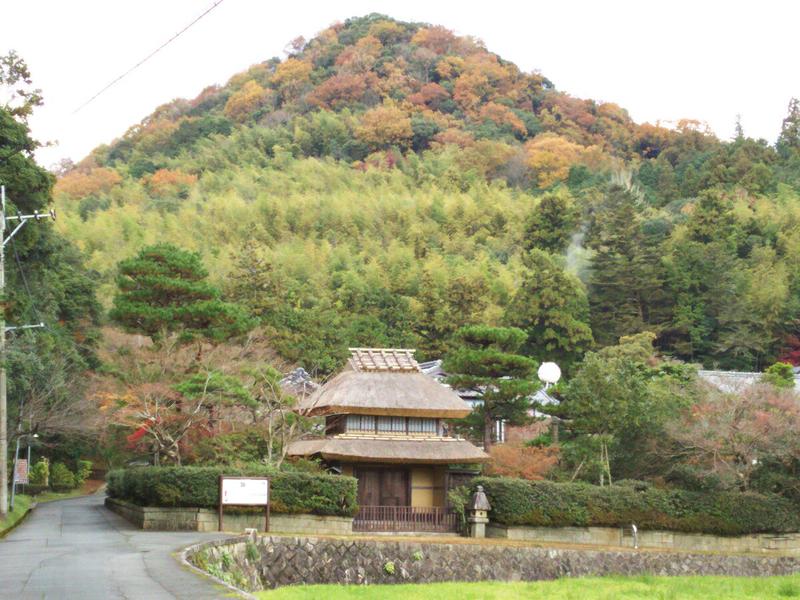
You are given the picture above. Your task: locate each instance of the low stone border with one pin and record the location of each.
(760, 543)
(184, 558)
(273, 561)
(204, 519)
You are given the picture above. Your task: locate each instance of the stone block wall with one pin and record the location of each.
(787, 543)
(203, 519)
(273, 561)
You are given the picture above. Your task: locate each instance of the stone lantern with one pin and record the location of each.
(478, 513)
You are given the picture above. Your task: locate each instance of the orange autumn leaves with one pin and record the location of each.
(89, 182)
(551, 157)
(517, 460)
(81, 183)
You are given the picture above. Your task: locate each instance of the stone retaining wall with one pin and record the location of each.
(787, 543)
(203, 519)
(273, 561)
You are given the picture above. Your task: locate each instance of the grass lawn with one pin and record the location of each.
(590, 588)
(21, 504)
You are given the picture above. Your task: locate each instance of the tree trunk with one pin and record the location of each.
(488, 425)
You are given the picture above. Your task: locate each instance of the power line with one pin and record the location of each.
(25, 283)
(149, 56)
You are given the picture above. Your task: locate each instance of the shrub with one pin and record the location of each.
(291, 492)
(82, 471)
(40, 473)
(61, 478)
(780, 375)
(549, 504)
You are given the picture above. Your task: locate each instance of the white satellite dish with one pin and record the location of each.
(549, 372)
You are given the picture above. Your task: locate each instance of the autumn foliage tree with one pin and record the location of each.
(246, 101)
(384, 127)
(729, 434)
(79, 183)
(170, 182)
(519, 460)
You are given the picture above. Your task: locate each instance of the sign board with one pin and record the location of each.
(21, 471)
(245, 491)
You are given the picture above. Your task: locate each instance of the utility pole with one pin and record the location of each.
(20, 222)
(3, 403)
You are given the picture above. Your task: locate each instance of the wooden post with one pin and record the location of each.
(266, 520)
(219, 515)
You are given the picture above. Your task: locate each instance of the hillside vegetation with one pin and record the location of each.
(390, 182)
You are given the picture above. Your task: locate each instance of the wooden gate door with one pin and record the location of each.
(369, 487)
(394, 487)
(382, 487)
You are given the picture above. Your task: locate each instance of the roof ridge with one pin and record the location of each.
(383, 359)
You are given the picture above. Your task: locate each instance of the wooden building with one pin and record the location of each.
(386, 423)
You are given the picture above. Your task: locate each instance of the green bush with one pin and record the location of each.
(549, 504)
(780, 375)
(61, 478)
(40, 473)
(83, 470)
(291, 492)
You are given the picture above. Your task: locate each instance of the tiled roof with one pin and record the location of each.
(383, 359)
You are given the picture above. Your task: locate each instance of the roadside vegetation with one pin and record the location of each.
(21, 505)
(590, 588)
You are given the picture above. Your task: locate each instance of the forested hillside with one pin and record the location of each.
(389, 182)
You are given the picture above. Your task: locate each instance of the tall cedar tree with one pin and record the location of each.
(626, 284)
(486, 360)
(551, 223)
(550, 305)
(163, 290)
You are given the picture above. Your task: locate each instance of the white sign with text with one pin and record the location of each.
(245, 491)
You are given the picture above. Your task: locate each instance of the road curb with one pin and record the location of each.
(182, 557)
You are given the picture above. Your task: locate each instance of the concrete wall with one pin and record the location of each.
(276, 561)
(203, 519)
(788, 543)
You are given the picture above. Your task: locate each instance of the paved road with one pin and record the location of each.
(79, 549)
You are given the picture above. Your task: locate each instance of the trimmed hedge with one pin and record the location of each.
(549, 504)
(291, 492)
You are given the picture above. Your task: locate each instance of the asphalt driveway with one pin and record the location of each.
(79, 549)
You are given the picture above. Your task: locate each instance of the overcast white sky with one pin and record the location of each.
(707, 60)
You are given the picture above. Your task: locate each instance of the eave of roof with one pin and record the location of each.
(442, 451)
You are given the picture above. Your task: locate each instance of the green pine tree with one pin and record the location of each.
(164, 290)
(486, 358)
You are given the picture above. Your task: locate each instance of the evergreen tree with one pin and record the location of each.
(486, 359)
(551, 223)
(789, 139)
(164, 290)
(626, 284)
(550, 305)
(46, 281)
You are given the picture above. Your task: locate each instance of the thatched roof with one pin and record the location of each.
(385, 382)
(428, 451)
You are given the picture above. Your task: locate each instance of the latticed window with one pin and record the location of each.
(391, 425)
(361, 423)
(422, 426)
